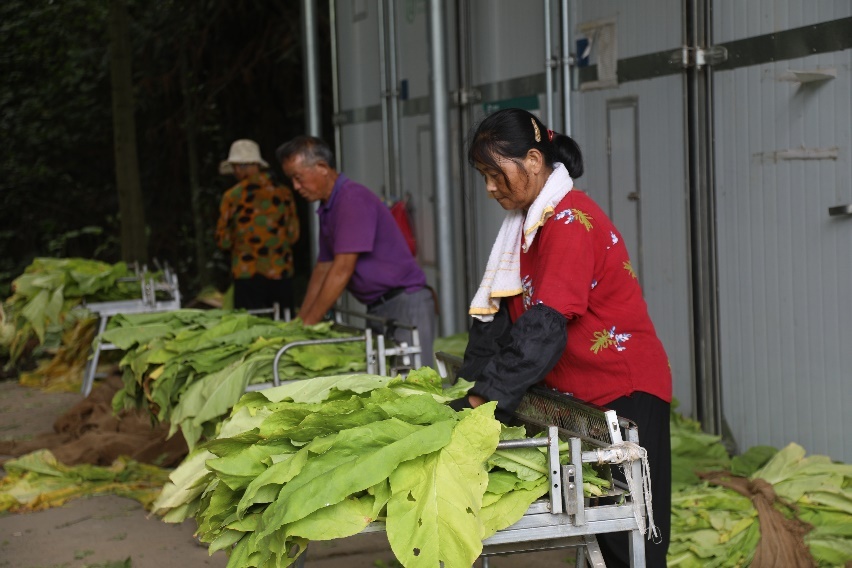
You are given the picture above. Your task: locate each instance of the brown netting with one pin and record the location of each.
(781, 539)
(89, 432)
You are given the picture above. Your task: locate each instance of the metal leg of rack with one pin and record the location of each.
(92, 363)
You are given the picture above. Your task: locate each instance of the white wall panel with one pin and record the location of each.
(785, 266)
(358, 52)
(736, 19)
(362, 153)
(642, 27)
(507, 39)
(663, 206)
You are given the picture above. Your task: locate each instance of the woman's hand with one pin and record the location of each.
(476, 400)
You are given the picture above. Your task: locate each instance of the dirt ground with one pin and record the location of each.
(114, 532)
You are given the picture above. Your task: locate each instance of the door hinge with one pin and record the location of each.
(698, 57)
(464, 97)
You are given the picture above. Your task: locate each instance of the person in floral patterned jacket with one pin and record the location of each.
(258, 224)
(560, 303)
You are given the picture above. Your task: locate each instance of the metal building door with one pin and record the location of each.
(784, 218)
(623, 150)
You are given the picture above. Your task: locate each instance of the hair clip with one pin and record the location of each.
(550, 135)
(537, 131)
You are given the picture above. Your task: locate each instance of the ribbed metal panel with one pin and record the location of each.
(785, 265)
(735, 19)
(642, 27)
(663, 206)
(358, 52)
(507, 39)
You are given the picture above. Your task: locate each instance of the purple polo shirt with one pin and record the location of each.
(354, 220)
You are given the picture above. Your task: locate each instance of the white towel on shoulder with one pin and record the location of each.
(502, 277)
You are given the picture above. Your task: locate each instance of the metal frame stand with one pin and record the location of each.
(567, 519)
(148, 303)
(274, 311)
(408, 357)
(276, 379)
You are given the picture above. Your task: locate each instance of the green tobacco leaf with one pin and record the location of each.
(359, 458)
(184, 482)
(433, 512)
(782, 464)
(239, 469)
(39, 461)
(527, 463)
(831, 551)
(35, 312)
(510, 508)
(267, 485)
(318, 389)
(756, 457)
(347, 518)
(127, 337)
(837, 501)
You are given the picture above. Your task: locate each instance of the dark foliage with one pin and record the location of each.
(58, 196)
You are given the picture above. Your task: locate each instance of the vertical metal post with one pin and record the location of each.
(702, 214)
(548, 64)
(335, 80)
(393, 95)
(441, 158)
(465, 117)
(383, 93)
(310, 72)
(566, 67)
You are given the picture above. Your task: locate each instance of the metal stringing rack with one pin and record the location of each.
(567, 519)
(159, 293)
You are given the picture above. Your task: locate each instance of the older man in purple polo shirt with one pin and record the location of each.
(361, 248)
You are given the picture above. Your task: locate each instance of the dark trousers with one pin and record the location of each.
(259, 292)
(651, 415)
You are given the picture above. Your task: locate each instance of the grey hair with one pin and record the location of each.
(312, 149)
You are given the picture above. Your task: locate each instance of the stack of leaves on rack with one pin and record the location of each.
(322, 459)
(39, 318)
(189, 367)
(762, 508)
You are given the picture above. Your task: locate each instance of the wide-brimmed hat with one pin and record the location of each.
(242, 152)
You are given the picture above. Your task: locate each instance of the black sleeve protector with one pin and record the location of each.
(484, 341)
(520, 356)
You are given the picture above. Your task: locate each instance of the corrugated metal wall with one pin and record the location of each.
(362, 158)
(785, 265)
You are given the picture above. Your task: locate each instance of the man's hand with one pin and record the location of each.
(327, 285)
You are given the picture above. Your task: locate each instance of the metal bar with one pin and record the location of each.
(313, 125)
(277, 381)
(369, 353)
(576, 460)
(840, 210)
(92, 364)
(524, 443)
(383, 93)
(415, 342)
(593, 551)
(548, 67)
(335, 80)
(702, 226)
(393, 94)
(441, 145)
(555, 473)
(311, 67)
(566, 68)
(380, 345)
